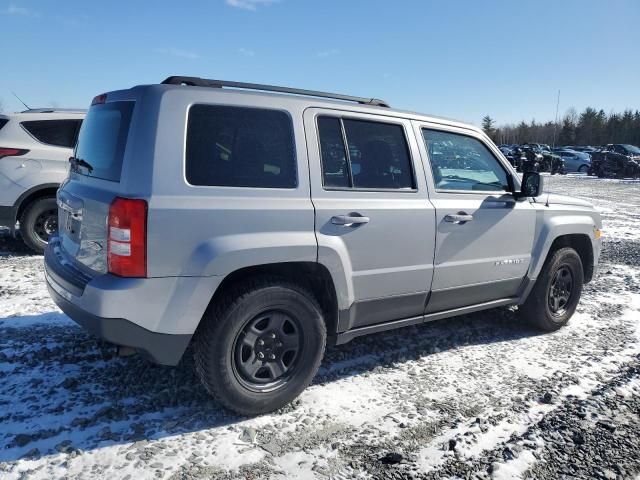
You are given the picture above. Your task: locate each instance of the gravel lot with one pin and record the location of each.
(480, 396)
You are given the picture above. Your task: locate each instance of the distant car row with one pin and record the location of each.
(608, 161)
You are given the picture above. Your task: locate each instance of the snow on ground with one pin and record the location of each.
(424, 401)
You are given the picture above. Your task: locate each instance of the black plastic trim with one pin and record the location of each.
(442, 300)
(381, 310)
(345, 337)
(65, 275)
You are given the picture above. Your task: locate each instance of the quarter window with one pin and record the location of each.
(460, 162)
(240, 147)
(376, 155)
(60, 133)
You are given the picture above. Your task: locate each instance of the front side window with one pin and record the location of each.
(460, 162)
(59, 133)
(240, 147)
(376, 155)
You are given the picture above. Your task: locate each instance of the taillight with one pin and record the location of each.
(127, 237)
(12, 152)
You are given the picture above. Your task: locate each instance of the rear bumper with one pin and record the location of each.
(157, 316)
(163, 348)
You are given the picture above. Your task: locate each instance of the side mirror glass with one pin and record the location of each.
(532, 185)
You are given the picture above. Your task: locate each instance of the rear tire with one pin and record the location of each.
(584, 169)
(557, 291)
(260, 345)
(39, 220)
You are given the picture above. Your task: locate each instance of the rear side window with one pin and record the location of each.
(102, 140)
(3, 122)
(60, 133)
(240, 147)
(376, 157)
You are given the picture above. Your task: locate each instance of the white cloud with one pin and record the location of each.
(328, 53)
(247, 52)
(176, 52)
(15, 10)
(250, 4)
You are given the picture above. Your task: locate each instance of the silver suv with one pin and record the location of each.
(35, 146)
(260, 225)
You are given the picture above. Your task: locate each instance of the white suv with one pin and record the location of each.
(35, 146)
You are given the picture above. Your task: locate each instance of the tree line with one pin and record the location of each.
(591, 127)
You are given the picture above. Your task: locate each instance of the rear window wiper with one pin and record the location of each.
(79, 162)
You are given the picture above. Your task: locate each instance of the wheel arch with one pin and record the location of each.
(311, 275)
(33, 194)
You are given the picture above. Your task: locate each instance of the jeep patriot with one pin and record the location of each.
(259, 223)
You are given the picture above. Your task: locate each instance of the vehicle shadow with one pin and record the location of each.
(63, 390)
(13, 246)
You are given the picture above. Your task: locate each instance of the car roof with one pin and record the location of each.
(47, 114)
(310, 101)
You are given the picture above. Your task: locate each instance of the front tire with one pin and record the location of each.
(260, 345)
(39, 220)
(557, 291)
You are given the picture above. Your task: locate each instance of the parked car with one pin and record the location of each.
(616, 161)
(261, 226)
(544, 160)
(35, 146)
(574, 161)
(585, 149)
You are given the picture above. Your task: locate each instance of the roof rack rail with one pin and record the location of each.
(203, 82)
(54, 110)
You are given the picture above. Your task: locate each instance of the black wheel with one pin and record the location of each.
(557, 291)
(584, 169)
(260, 345)
(39, 220)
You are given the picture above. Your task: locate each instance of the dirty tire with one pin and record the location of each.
(223, 332)
(538, 310)
(30, 216)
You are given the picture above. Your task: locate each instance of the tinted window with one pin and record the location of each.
(377, 156)
(335, 169)
(3, 122)
(61, 133)
(459, 162)
(240, 147)
(102, 140)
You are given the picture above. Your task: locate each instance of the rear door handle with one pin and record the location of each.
(458, 218)
(351, 219)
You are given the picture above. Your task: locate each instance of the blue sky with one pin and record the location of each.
(459, 59)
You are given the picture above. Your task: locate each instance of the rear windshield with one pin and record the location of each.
(59, 133)
(102, 139)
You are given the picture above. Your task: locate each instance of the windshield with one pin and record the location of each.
(102, 140)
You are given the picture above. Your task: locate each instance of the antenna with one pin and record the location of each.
(555, 124)
(25, 105)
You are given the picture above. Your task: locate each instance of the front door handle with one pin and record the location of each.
(348, 220)
(459, 218)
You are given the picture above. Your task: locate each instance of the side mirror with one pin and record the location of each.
(531, 186)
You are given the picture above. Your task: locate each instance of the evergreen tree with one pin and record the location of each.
(488, 124)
